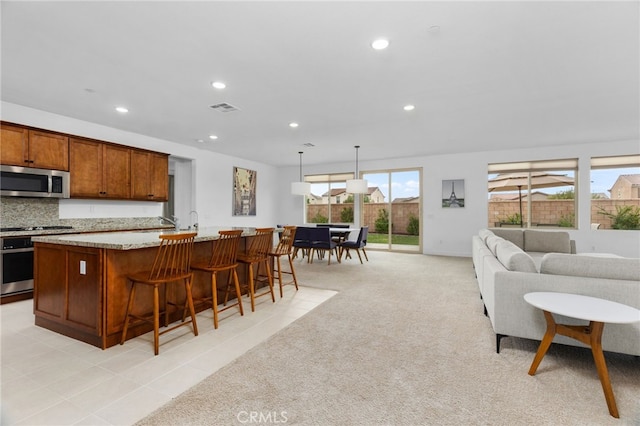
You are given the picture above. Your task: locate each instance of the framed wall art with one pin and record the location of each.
(244, 192)
(453, 193)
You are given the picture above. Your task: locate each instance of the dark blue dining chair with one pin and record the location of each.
(357, 245)
(322, 243)
(301, 241)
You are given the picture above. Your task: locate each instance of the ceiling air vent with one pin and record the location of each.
(308, 144)
(224, 107)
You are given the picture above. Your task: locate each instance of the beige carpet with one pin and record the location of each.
(404, 342)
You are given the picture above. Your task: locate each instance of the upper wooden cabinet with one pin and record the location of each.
(34, 148)
(99, 170)
(149, 175)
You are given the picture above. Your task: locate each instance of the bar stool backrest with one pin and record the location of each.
(225, 248)
(286, 241)
(173, 258)
(260, 244)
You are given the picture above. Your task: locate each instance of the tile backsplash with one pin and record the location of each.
(19, 211)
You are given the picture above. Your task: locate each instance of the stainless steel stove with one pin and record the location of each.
(16, 259)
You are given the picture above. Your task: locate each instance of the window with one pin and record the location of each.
(615, 192)
(533, 194)
(329, 202)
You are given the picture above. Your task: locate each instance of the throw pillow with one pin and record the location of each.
(513, 258)
(492, 242)
(484, 234)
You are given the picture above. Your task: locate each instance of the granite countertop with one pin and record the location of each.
(130, 240)
(77, 230)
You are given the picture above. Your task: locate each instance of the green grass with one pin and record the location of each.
(411, 240)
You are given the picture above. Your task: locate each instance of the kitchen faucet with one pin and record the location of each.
(174, 222)
(195, 225)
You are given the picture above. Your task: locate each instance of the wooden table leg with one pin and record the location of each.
(598, 357)
(545, 343)
(591, 336)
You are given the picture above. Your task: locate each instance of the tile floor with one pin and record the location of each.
(50, 379)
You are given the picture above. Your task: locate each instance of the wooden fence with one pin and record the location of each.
(544, 213)
(401, 214)
(554, 212)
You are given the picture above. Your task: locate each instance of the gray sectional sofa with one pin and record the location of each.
(512, 262)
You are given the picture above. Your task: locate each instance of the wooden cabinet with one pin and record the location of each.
(88, 301)
(34, 148)
(15, 145)
(99, 170)
(68, 290)
(149, 176)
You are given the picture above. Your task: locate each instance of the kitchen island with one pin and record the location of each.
(81, 287)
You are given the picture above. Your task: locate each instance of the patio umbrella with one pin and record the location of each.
(515, 181)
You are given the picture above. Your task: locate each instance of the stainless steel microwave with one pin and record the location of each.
(16, 181)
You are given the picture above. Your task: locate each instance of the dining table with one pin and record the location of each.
(341, 234)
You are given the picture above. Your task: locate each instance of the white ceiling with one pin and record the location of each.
(495, 75)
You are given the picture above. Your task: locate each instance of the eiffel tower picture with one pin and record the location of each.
(453, 193)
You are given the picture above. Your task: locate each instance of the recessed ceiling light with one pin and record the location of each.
(122, 110)
(379, 44)
(293, 124)
(213, 137)
(199, 140)
(218, 85)
(409, 107)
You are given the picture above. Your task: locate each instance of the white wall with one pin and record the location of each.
(211, 176)
(449, 231)
(445, 231)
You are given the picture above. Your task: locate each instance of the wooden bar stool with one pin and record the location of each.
(223, 258)
(257, 255)
(284, 249)
(171, 265)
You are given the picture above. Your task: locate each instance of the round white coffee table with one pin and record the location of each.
(597, 312)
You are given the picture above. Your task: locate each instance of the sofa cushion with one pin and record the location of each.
(617, 268)
(514, 235)
(484, 234)
(513, 258)
(547, 241)
(492, 242)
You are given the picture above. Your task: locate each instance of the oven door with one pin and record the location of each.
(17, 270)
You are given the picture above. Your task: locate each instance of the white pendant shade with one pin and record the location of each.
(357, 186)
(300, 188)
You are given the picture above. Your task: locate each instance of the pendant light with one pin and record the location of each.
(301, 187)
(357, 186)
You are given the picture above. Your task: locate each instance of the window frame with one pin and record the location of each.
(550, 165)
(613, 203)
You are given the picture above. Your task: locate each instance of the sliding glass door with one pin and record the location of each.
(392, 210)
